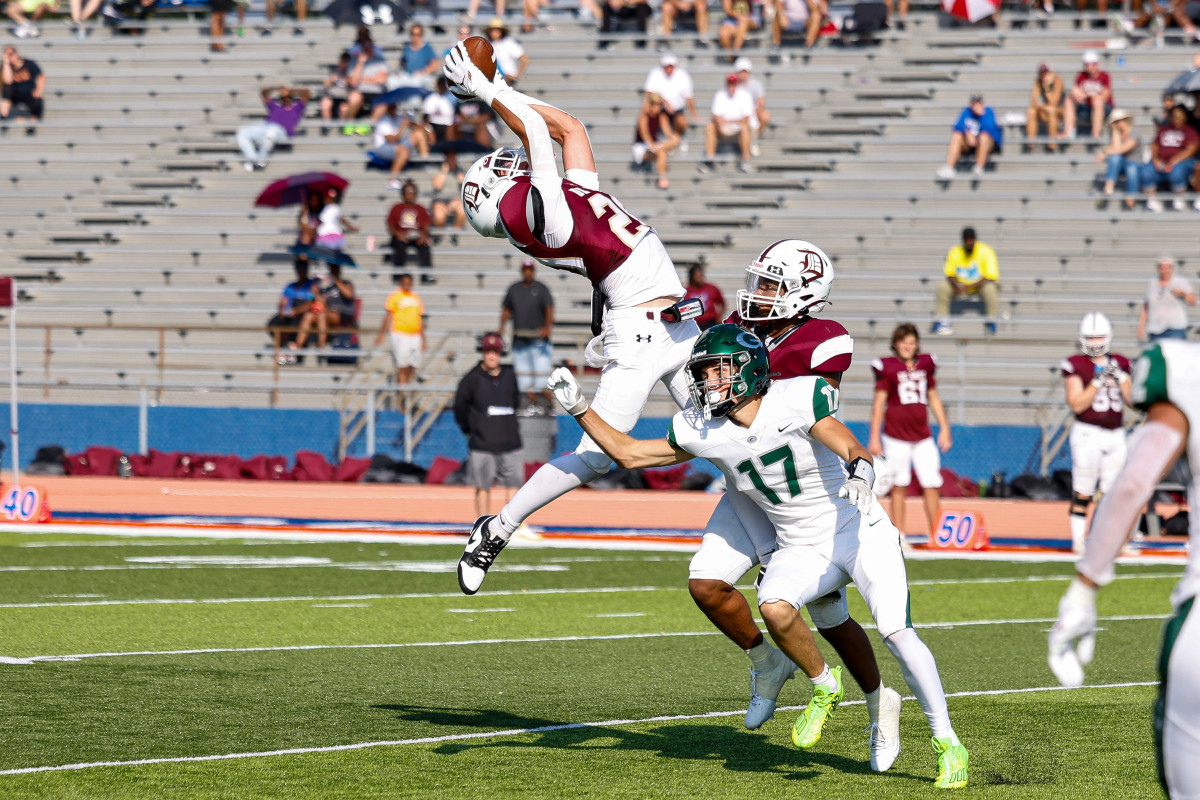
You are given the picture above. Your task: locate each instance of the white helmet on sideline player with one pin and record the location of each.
(1095, 334)
(791, 278)
(486, 182)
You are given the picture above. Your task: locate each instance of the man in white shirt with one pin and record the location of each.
(744, 68)
(732, 110)
(673, 84)
(393, 142)
(1164, 312)
(510, 55)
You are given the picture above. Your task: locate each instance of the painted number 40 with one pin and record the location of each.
(21, 503)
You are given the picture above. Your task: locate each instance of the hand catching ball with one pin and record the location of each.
(482, 55)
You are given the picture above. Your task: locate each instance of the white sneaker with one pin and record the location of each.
(885, 736)
(478, 555)
(1196, 204)
(977, 171)
(765, 686)
(1178, 204)
(25, 31)
(248, 166)
(754, 151)
(683, 145)
(394, 184)
(1154, 205)
(945, 172)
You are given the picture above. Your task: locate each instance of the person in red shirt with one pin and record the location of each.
(409, 223)
(1098, 388)
(905, 392)
(1091, 94)
(709, 294)
(1172, 157)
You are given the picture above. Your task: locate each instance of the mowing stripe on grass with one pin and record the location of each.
(529, 640)
(458, 737)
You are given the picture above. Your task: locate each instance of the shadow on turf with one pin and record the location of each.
(741, 751)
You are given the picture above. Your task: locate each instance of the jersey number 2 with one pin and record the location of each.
(767, 459)
(621, 224)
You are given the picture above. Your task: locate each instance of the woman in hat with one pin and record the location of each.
(1121, 155)
(510, 55)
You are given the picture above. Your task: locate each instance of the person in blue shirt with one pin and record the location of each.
(977, 133)
(294, 302)
(418, 61)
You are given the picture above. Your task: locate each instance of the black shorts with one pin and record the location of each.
(440, 132)
(678, 118)
(220, 6)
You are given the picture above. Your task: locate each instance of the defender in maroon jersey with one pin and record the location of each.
(1098, 389)
(569, 223)
(905, 393)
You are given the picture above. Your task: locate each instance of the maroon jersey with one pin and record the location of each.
(907, 414)
(603, 235)
(812, 346)
(1105, 411)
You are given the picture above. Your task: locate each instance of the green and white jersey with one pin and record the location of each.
(775, 462)
(1170, 371)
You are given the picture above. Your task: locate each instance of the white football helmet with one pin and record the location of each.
(791, 278)
(486, 182)
(1095, 334)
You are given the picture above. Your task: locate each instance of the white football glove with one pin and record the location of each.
(858, 491)
(1073, 637)
(567, 392)
(1114, 369)
(465, 79)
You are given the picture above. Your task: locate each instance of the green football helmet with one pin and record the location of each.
(747, 373)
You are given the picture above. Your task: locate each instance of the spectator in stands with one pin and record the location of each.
(744, 68)
(1122, 156)
(21, 81)
(511, 58)
(283, 117)
(741, 17)
(673, 84)
(672, 10)
(331, 225)
(471, 118)
(1172, 159)
(976, 133)
(418, 62)
(792, 16)
(405, 325)
(81, 12)
(301, 7)
(530, 306)
(732, 108)
(709, 294)
(1170, 11)
(485, 408)
(367, 81)
(613, 10)
(216, 23)
(1090, 96)
(446, 203)
(18, 10)
(473, 9)
(654, 138)
(294, 302)
(310, 218)
(437, 119)
(332, 307)
(408, 222)
(1045, 105)
(395, 139)
(900, 23)
(1164, 311)
(971, 268)
(335, 92)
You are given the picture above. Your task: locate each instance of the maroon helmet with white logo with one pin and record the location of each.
(791, 278)
(486, 182)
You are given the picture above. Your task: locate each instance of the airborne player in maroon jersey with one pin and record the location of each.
(1098, 389)
(571, 224)
(905, 393)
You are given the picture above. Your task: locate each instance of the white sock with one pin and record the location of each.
(1078, 530)
(873, 705)
(552, 480)
(825, 679)
(760, 654)
(921, 673)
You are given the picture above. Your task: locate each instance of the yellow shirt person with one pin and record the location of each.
(405, 326)
(971, 268)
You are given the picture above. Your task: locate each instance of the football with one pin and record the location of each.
(482, 55)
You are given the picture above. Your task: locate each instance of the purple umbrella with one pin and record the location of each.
(291, 190)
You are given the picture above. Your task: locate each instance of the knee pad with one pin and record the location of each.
(1079, 505)
(597, 462)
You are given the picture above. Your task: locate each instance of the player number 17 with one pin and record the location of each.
(768, 459)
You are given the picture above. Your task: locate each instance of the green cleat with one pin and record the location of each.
(807, 730)
(952, 764)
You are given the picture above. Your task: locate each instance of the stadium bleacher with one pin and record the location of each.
(141, 259)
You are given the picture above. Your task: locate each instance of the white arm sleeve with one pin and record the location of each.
(1149, 457)
(557, 223)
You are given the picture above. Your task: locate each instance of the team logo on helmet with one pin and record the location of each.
(471, 195)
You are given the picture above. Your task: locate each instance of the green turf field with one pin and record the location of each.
(183, 649)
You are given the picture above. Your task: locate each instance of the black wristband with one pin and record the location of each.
(861, 468)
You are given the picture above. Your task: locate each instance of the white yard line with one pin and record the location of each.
(528, 640)
(459, 737)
